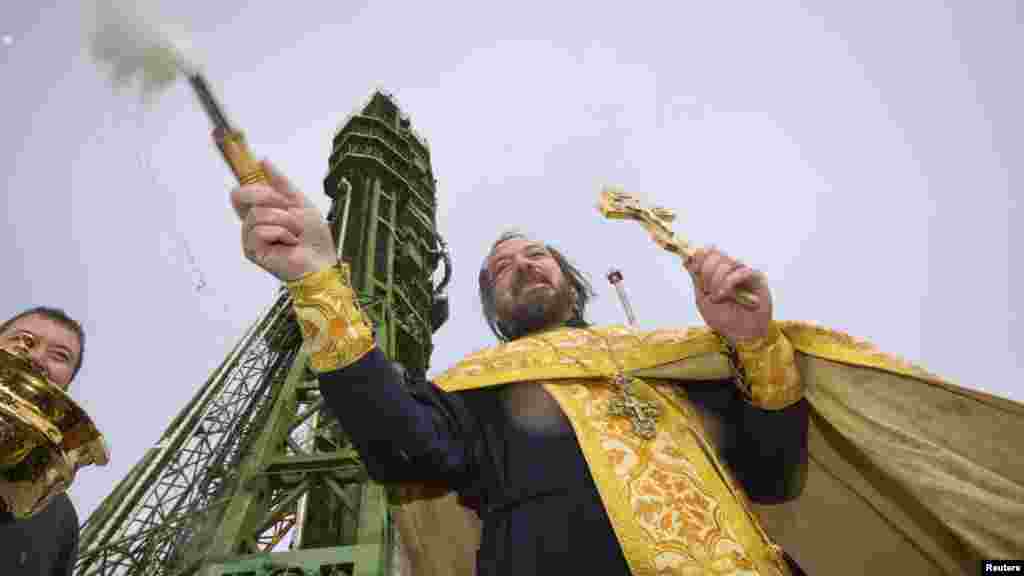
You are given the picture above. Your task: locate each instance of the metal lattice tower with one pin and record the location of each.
(253, 458)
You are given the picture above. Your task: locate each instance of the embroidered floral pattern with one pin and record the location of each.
(770, 370)
(333, 327)
(672, 507)
(661, 495)
(831, 344)
(575, 353)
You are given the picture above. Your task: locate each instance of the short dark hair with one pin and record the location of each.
(577, 280)
(60, 317)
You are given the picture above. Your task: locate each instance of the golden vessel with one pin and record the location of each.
(45, 437)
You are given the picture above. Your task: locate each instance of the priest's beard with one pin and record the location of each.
(536, 310)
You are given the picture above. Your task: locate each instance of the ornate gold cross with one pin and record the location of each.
(643, 414)
(616, 204)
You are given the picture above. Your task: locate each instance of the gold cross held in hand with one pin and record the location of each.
(616, 204)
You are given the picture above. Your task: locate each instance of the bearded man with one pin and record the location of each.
(615, 451)
(510, 450)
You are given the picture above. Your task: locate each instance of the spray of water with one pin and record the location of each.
(134, 44)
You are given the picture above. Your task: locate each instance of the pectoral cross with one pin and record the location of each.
(642, 414)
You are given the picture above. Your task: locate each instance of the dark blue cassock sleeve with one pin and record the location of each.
(765, 449)
(405, 430)
(769, 451)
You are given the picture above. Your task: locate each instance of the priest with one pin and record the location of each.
(614, 451)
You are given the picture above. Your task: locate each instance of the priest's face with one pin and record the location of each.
(530, 291)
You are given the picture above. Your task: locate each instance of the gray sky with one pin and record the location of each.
(866, 156)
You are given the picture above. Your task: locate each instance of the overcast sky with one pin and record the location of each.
(866, 156)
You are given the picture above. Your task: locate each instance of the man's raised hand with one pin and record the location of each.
(716, 278)
(282, 231)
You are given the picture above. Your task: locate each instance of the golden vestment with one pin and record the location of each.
(907, 473)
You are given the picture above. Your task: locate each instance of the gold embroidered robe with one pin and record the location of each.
(907, 473)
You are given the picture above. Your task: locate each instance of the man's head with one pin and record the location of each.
(526, 286)
(56, 341)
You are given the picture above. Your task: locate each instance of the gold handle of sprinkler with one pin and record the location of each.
(236, 153)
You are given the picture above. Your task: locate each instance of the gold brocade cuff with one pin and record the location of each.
(335, 330)
(771, 378)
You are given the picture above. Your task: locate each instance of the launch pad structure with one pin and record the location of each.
(253, 476)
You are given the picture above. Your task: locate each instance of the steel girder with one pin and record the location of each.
(253, 458)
